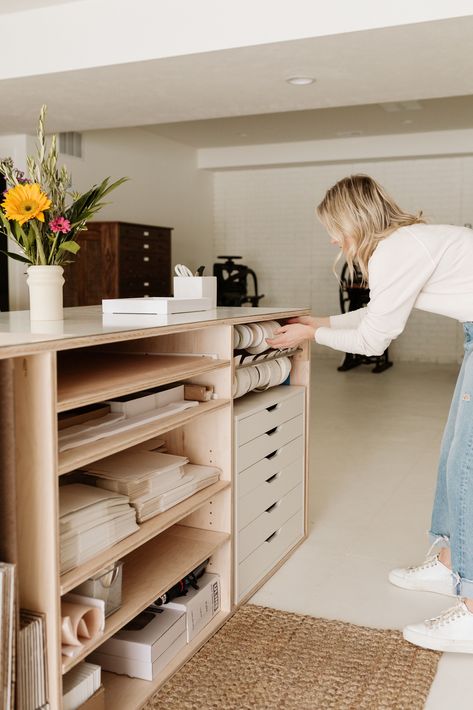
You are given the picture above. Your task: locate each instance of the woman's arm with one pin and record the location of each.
(398, 270)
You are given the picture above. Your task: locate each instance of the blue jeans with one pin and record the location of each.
(452, 515)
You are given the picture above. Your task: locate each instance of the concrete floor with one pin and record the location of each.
(375, 440)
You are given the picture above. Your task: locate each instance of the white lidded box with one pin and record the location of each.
(133, 404)
(196, 287)
(145, 646)
(155, 305)
(201, 604)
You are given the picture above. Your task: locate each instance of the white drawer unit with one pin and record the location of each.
(270, 481)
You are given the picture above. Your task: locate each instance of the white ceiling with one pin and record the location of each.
(317, 124)
(246, 88)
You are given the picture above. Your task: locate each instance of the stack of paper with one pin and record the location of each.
(32, 661)
(91, 520)
(115, 423)
(80, 684)
(7, 634)
(138, 473)
(194, 479)
(153, 481)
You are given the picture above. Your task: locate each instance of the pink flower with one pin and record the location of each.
(60, 224)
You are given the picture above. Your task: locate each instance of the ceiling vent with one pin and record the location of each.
(71, 144)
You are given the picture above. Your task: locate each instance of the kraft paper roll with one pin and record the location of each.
(79, 621)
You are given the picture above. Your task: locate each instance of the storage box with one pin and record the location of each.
(200, 605)
(157, 306)
(146, 645)
(132, 405)
(96, 701)
(106, 585)
(196, 287)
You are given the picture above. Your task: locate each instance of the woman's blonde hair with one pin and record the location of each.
(359, 213)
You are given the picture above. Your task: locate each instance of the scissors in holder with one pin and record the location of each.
(182, 270)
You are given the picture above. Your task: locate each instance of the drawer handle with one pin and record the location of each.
(271, 537)
(273, 407)
(145, 246)
(146, 234)
(145, 283)
(272, 507)
(146, 258)
(270, 457)
(273, 478)
(271, 432)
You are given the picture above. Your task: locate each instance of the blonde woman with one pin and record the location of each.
(407, 263)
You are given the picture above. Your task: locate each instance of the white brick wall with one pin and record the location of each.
(267, 216)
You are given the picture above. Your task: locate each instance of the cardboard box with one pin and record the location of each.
(200, 605)
(146, 645)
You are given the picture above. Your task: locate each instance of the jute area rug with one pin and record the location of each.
(269, 659)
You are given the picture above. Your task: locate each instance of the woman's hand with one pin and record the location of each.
(292, 335)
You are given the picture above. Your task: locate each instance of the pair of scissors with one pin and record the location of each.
(182, 270)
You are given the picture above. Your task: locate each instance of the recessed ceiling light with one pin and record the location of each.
(300, 80)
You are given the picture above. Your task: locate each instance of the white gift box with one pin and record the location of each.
(201, 604)
(186, 287)
(144, 651)
(154, 305)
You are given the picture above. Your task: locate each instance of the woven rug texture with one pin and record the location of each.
(266, 659)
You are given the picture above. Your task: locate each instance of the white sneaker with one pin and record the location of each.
(431, 576)
(451, 631)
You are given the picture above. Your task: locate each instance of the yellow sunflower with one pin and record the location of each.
(25, 202)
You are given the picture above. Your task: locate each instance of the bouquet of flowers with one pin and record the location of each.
(41, 213)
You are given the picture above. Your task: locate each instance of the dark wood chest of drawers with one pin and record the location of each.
(119, 260)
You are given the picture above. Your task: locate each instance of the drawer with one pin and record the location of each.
(252, 426)
(263, 559)
(254, 534)
(268, 443)
(268, 492)
(144, 233)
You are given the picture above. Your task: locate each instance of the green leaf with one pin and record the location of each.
(6, 224)
(18, 257)
(73, 247)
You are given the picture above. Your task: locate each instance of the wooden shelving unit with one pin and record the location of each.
(148, 530)
(69, 372)
(151, 570)
(93, 376)
(80, 456)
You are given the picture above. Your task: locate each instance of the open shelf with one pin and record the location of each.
(148, 530)
(149, 571)
(88, 377)
(125, 693)
(80, 456)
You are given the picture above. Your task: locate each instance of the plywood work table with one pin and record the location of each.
(89, 358)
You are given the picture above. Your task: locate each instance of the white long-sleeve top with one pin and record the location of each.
(425, 266)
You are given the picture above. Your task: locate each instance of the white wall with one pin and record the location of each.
(267, 216)
(115, 32)
(165, 189)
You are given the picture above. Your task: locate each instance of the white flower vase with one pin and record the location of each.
(45, 284)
